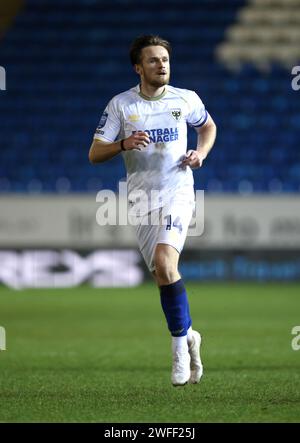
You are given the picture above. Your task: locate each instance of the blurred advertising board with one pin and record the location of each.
(73, 221)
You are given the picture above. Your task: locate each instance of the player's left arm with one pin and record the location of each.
(205, 141)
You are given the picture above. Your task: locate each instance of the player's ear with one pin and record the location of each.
(137, 69)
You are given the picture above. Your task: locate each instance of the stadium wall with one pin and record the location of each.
(56, 241)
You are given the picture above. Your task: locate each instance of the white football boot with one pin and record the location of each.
(181, 372)
(196, 364)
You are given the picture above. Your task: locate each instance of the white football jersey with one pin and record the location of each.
(154, 173)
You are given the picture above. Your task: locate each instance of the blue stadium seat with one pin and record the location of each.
(63, 68)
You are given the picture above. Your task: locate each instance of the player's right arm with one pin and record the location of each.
(104, 146)
(100, 151)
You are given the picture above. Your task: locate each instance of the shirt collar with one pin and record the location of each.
(151, 99)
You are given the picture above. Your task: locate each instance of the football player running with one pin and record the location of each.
(148, 125)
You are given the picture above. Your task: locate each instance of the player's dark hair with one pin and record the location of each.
(142, 42)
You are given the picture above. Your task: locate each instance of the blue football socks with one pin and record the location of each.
(175, 305)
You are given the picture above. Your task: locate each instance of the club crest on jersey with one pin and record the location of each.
(176, 113)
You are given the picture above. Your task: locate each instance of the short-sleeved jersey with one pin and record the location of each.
(154, 171)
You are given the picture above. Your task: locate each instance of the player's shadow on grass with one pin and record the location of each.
(140, 368)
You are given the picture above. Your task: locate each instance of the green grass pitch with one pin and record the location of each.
(103, 355)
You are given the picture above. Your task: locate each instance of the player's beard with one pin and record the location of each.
(157, 82)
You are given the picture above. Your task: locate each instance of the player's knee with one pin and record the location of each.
(166, 263)
(165, 273)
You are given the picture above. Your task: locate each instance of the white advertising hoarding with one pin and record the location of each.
(70, 221)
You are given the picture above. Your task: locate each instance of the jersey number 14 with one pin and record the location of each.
(176, 223)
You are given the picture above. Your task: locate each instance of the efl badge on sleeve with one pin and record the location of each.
(103, 120)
